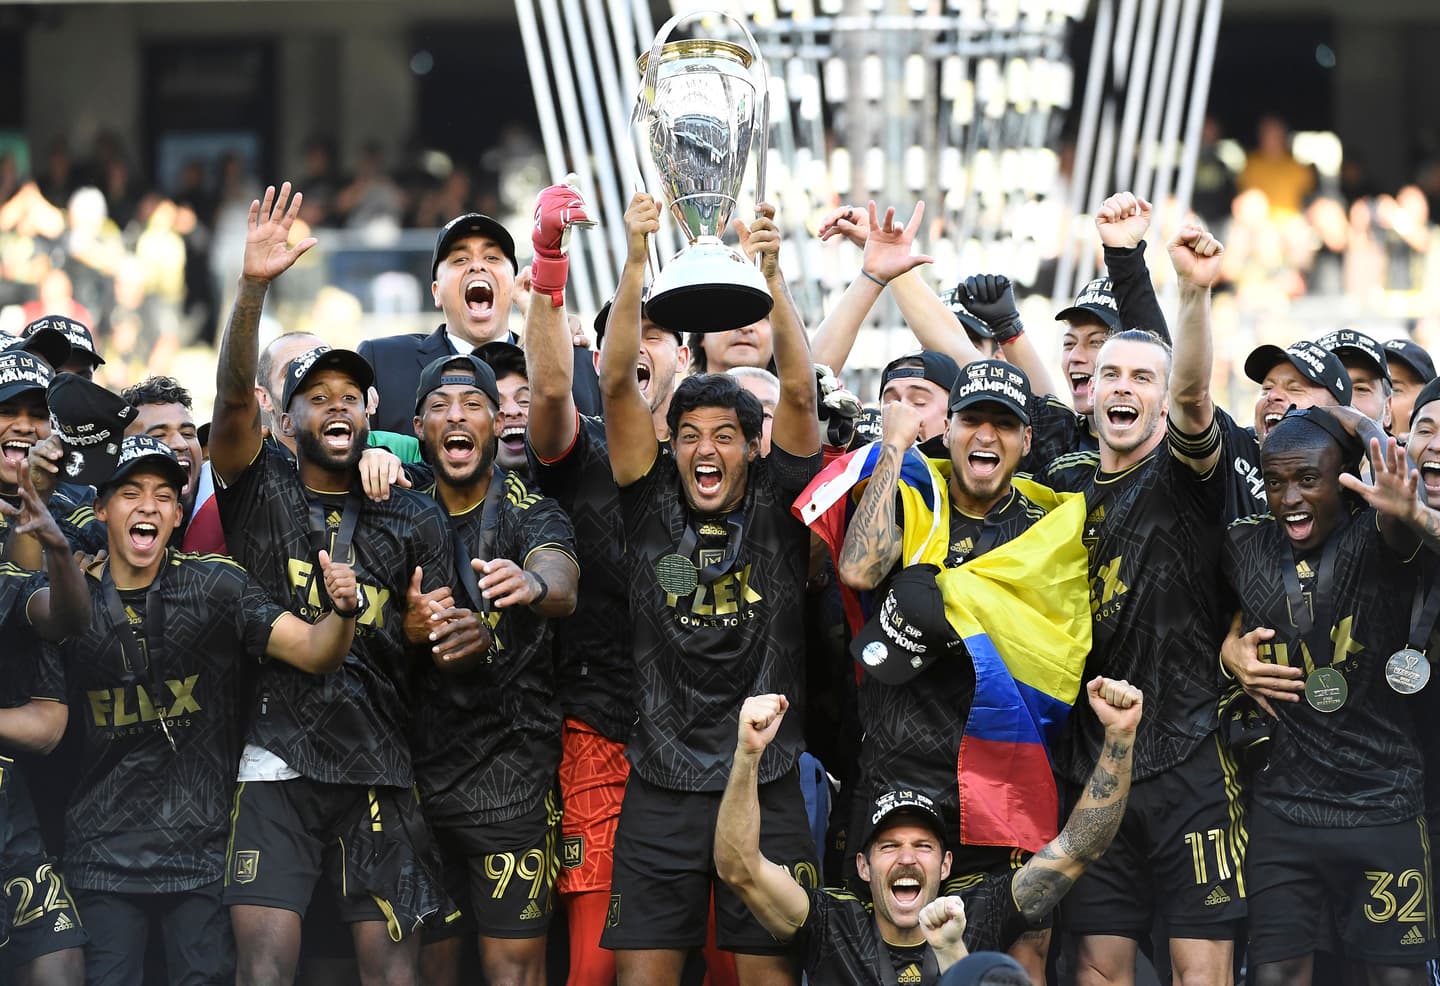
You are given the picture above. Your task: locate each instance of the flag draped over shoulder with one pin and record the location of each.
(1023, 610)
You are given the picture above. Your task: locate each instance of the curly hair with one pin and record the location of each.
(157, 390)
(717, 390)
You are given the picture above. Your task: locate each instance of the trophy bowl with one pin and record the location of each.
(701, 111)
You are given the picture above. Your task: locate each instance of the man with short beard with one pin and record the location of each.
(326, 760)
(908, 933)
(1156, 495)
(717, 573)
(487, 730)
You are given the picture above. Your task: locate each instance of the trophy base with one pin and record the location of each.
(708, 288)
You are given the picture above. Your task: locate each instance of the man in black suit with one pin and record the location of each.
(474, 270)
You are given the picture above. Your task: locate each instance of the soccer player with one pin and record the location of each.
(903, 856)
(717, 570)
(164, 411)
(487, 731)
(1156, 496)
(326, 762)
(1338, 859)
(1365, 363)
(1411, 368)
(151, 679)
(596, 675)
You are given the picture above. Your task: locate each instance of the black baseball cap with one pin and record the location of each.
(47, 342)
(996, 382)
(909, 803)
(1348, 342)
(141, 452)
(935, 367)
(1428, 393)
(1413, 355)
(91, 422)
(472, 224)
(21, 371)
(1095, 301)
(77, 336)
(986, 969)
(1315, 363)
(347, 361)
(603, 316)
(469, 369)
(954, 300)
(909, 629)
(505, 358)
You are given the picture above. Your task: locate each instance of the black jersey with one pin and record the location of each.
(1153, 537)
(146, 816)
(1358, 765)
(349, 726)
(912, 731)
(840, 944)
(698, 656)
(22, 646)
(596, 666)
(1055, 431)
(1240, 460)
(487, 740)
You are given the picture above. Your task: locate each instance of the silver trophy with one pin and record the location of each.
(702, 109)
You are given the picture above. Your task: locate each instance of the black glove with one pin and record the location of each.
(990, 298)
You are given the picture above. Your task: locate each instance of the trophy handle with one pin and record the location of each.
(646, 98)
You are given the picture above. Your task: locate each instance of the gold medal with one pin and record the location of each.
(677, 575)
(1326, 690)
(1407, 671)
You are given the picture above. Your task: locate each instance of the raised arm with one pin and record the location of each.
(991, 298)
(235, 423)
(872, 541)
(58, 611)
(1405, 520)
(1122, 221)
(629, 428)
(320, 648)
(797, 425)
(549, 352)
(886, 256)
(1195, 255)
(1049, 874)
(767, 888)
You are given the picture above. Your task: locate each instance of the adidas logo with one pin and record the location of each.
(63, 923)
(1303, 569)
(1413, 937)
(909, 974)
(1096, 515)
(531, 912)
(1217, 897)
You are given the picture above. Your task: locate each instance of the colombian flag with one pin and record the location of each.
(1023, 610)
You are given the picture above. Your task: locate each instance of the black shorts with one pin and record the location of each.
(371, 844)
(1362, 892)
(1180, 852)
(38, 914)
(665, 868)
(500, 876)
(194, 927)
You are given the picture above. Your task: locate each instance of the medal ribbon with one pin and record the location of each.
(1314, 633)
(1423, 613)
(135, 659)
(319, 534)
(734, 533)
(489, 527)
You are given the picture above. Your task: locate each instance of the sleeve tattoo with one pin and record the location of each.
(871, 547)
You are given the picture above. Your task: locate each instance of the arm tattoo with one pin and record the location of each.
(871, 546)
(1089, 831)
(1103, 784)
(239, 351)
(1115, 750)
(1038, 889)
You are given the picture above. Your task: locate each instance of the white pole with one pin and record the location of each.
(1171, 150)
(1164, 80)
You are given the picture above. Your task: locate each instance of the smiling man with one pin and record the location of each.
(907, 933)
(717, 570)
(163, 411)
(1336, 819)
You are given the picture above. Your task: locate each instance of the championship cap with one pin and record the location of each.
(472, 224)
(91, 422)
(468, 370)
(1095, 301)
(1315, 363)
(602, 317)
(143, 452)
(909, 629)
(935, 367)
(46, 341)
(893, 804)
(1357, 345)
(1413, 355)
(21, 371)
(996, 382)
(77, 336)
(347, 361)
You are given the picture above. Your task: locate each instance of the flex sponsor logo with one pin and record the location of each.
(306, 580)
(726, 602)
(133, 705)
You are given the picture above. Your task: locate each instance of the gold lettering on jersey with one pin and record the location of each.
(722, 603)
(306, 579)
(1274, 652)
(1106, 590)
(493, 618)
(962, 547)
(130, 705)
(1342, 635)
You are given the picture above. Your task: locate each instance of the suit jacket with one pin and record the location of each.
(398, 360)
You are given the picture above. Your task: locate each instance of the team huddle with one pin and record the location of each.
(443, 639)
